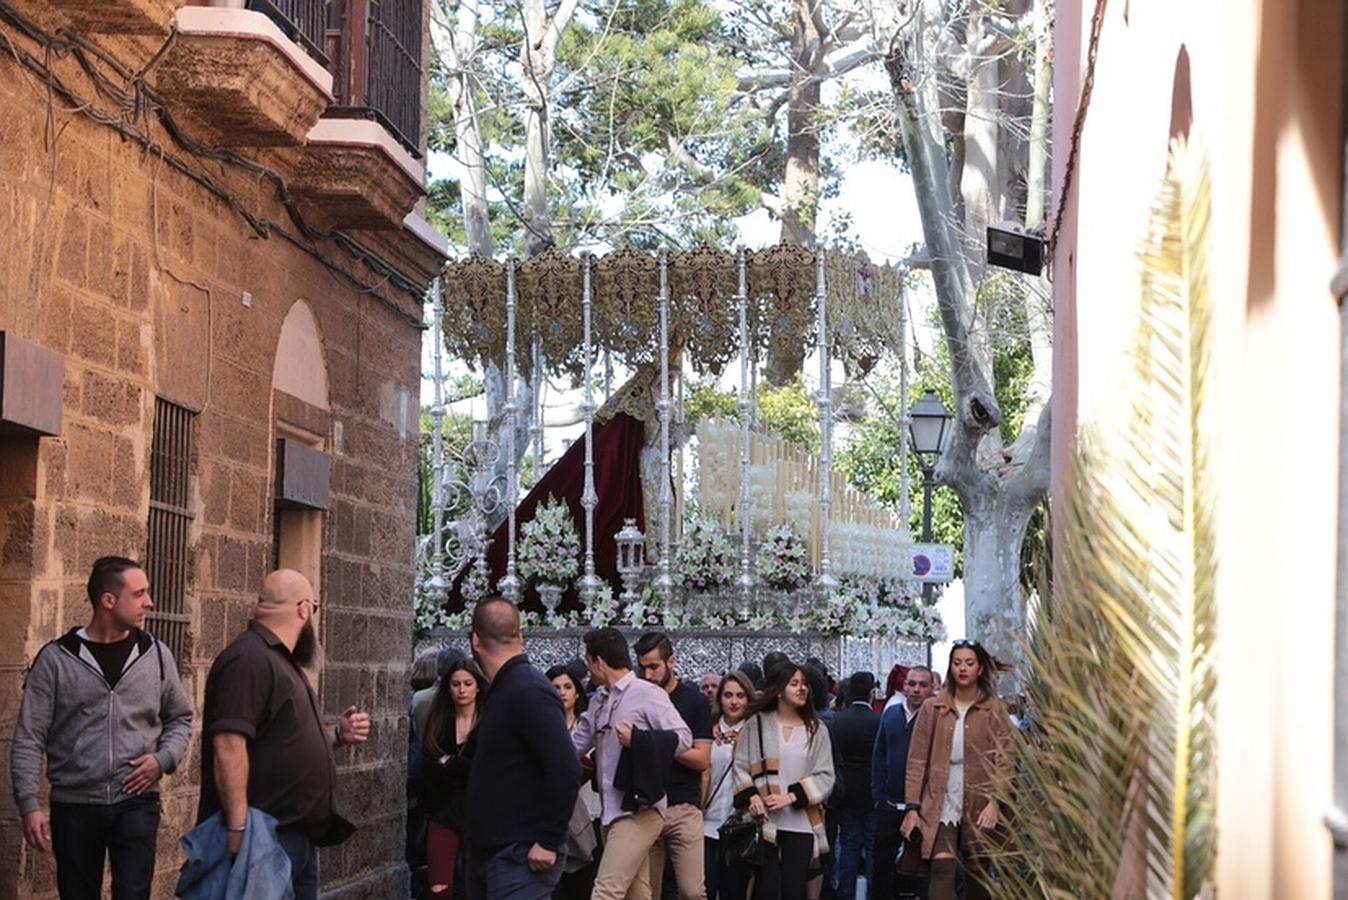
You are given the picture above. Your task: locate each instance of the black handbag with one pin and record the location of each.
(740, 838)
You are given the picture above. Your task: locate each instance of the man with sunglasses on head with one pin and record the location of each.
(889, 767)
(265, 743)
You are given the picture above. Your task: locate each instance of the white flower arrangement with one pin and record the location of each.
(428, 614)
(705, 559)
(783, 559)
(476, 584)
(602, 611)
(549, 548)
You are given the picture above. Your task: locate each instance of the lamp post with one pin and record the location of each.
(928, 420)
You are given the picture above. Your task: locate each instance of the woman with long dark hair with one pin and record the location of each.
(960, 753)
(447, 751)
(730, 709)
(582, 843)
(783, 775)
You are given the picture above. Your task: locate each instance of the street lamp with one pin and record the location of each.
(928, 420)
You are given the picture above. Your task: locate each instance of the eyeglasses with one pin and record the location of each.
(312, 603)
(966, 642)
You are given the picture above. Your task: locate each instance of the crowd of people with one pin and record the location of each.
(617, 776)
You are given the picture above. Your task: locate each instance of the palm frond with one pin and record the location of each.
(1114, 794)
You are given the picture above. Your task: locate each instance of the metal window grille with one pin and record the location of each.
(376, 50)
(303, 21)
(166, 553)
(394, 73)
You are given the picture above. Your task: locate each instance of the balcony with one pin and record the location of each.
(241, 78)
(356, 175)
(375, 48)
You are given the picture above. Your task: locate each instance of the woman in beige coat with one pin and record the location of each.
(960, 753)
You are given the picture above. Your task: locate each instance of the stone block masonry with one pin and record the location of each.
(135, 274)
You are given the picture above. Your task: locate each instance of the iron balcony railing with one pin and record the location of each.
(303, 21)
(377, 74)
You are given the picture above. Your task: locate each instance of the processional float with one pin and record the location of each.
(665, 317)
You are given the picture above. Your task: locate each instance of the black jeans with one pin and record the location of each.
(725, 881)
(83, 835)
(886, 884)
(785, 874)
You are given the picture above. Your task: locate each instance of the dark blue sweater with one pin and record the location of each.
(525, 775)
(889, 758)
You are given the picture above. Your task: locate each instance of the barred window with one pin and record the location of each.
(166, 553)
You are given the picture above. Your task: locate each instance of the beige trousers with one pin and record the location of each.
(682, 839)
(624, 868)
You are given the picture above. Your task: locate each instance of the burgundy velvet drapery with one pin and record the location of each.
(617, 481)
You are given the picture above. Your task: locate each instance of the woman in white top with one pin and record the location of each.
(783, 775)
(730, 705)
(582, 845)
(959, 760)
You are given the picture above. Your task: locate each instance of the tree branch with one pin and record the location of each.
(834, 68)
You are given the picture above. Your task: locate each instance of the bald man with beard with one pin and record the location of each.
(265, 743)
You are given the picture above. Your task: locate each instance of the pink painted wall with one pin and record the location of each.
(1264, 91)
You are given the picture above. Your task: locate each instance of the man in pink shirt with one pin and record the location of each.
(624, 703)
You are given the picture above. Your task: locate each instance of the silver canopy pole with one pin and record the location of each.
(745, 582)
(589, 584)
(509, 585)
(664, 583)
(826, 582)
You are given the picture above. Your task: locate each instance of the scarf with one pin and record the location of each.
(756, 771)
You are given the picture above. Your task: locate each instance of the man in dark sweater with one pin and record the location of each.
(853, 739)
(681, 839)
(525, 775)
(889, 767)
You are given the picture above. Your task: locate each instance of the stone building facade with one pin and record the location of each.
(210, 277)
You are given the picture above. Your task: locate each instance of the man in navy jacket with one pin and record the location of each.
(525, 775)
(889, 768)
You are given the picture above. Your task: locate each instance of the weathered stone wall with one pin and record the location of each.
(137, 275)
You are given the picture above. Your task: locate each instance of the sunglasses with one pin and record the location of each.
(966, 642)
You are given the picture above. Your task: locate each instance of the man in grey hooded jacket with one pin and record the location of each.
(105, 706)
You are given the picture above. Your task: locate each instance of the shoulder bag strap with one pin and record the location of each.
(720, 781)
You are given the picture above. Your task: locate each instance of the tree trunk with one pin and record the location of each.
(800, 182)
(998, 488)
(538, 60)
(455, 39)
(994, 610)
(472, 173)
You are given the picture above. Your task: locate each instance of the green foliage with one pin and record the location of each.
(790, 412)
(870, 461)
(787, 411)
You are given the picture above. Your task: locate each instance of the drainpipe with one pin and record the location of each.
(1337, 818)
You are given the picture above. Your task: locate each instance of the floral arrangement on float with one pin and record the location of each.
(548, 554)
(476, 584)
(783, 562)
(705, 560)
